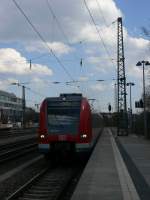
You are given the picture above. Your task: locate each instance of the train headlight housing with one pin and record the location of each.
(84, 135)
(42, 136)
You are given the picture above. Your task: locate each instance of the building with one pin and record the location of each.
(10, 107)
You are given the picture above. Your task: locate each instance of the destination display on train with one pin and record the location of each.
(64, 104)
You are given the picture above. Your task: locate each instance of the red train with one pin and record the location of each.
(66, 124)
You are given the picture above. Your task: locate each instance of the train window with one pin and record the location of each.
(63, 117)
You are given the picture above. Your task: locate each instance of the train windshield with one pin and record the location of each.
(63, 117)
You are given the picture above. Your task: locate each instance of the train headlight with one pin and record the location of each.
(42, 136)
(84, 136)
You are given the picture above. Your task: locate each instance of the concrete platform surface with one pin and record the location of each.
(105, 176)
(136, 154)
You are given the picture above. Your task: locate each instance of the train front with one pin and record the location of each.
(63, 123)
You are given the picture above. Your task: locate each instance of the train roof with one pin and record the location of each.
(66, 97)
(72, 96)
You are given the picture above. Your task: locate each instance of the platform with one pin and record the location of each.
(105, 176)
(136, 154)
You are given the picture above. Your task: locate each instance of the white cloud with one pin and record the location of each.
(139, 43)
(5, 83)
(108, 8)
(135, 71)
(96, 59)
(102, 64)
(75, 20)
(87, 33)
(58, 47)
(39, 84)
(98, 87)
(83, 78)
(136, 49)
(77, 25)
(11, 61)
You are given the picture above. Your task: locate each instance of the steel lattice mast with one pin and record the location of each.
(121, 81)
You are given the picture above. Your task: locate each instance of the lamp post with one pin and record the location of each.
(130, 84)
(143, 63)
(23, 102)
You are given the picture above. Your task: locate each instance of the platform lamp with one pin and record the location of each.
(143, 64)
(130, 84)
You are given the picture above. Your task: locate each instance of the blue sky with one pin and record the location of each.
(71, 35)
(135, 13)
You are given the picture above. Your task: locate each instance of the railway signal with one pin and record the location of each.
(109, 108)
(139, 104)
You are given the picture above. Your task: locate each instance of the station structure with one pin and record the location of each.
(10, 107)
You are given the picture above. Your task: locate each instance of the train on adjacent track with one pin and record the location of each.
(67, 124)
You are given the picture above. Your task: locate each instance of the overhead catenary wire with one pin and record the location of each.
(60, 27)
(46, 82)
(101, 11)
(98, 31)
(33, 101)
(103, 17)
(27, 61)
(86, 81)
(42, 39)
(38, 57)
(23, 84)
(35, 92)
(47, 54)
(81, 62)
(57, 21)
(102, 14)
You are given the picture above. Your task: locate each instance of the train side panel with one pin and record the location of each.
(85, 129)
(43, 144)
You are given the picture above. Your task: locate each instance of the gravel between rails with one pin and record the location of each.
(4, 134)
(50, 185)
(17, 152)
(15, 149)
(16, 140)
(16, 143)
(11, 180)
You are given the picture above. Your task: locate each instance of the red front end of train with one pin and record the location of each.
(65, 124)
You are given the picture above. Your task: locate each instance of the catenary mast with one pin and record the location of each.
(121, 82)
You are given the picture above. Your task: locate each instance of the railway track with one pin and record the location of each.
(16, 132)
(14, 150)
(48, 184)
(14, 144)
